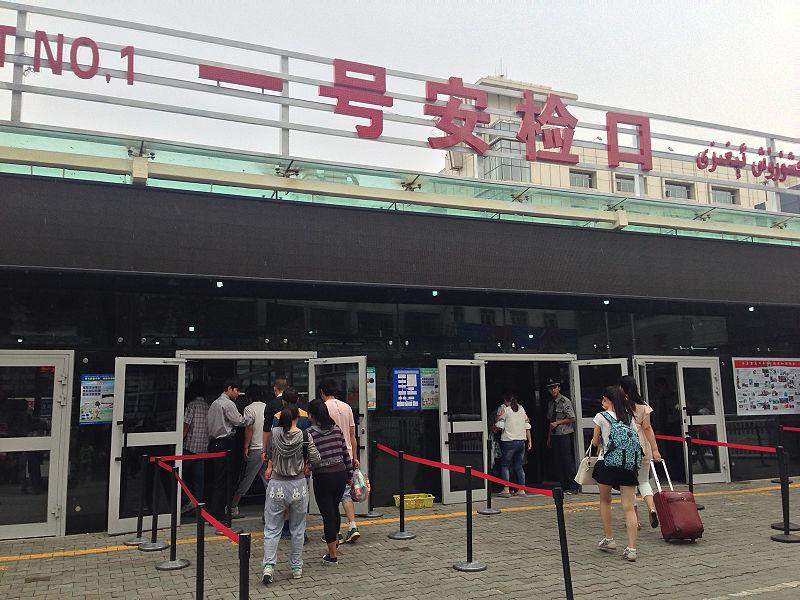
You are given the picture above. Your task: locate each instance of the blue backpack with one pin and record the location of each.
(624, 450)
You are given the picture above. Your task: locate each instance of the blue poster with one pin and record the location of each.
(406, 389)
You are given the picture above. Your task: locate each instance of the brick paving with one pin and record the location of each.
(520, 548)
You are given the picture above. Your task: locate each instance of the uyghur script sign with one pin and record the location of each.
(775, 171)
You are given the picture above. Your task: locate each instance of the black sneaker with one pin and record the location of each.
(327, 561)
(352, 536)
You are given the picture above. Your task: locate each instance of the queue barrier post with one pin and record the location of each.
(244, 566)
(558, 498)
(199, 578)
(690, 469)
(785, 525)
(140, 539)
(781, 429)
(488, 510)
(154, 545)
(174, 563)
(402, 534)
(371, 514)
(470, 565)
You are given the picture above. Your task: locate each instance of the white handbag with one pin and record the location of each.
(586, 469)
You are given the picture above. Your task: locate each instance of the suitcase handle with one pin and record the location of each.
(666, 472)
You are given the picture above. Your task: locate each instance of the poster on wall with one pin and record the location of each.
(429, 386)
(97, 398)
(372, 389)
(767, 386)
(405, 389)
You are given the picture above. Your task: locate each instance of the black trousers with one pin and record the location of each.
(223, 468)
(564, 452)
(328, 490)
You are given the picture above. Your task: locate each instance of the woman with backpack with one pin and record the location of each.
(287, 453)
(647, 438)
(331, 475)
(620, 452)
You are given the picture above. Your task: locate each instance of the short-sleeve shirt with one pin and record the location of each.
(304, 422)
(516, 424)
(641, 411)
(196, 417)
(342, 415)
(561, 408)
(256, 411)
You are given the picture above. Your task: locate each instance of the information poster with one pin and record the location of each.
(767, 386)
(372, 389)
(405, 389)
(429, 386)
(97, 399)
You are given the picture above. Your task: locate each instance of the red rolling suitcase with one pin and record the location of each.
(677, 511)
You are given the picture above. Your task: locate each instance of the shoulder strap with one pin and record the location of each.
(608, 417)
(305, 445)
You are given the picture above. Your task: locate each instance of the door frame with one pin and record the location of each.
(64, 363)
(717, 419)
(116, 524)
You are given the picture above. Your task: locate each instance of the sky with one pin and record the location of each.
(731, 62)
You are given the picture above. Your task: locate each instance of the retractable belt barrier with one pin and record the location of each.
(700, 442)
(795, 429)
(183, 457)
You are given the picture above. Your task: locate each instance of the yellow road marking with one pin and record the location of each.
(569, 507)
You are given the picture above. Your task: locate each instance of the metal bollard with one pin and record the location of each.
(690, 470)
(785, 525)
(488, 510)
(174, 563)
(154, 545)
(558, 498)
(402, 534)
(140, 539)
(470, 565)
(778, 478)
(244, 566)
(371, 514)
(199, 578)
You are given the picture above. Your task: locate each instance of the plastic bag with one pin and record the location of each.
(359, 488)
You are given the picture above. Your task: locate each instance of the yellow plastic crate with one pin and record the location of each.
(415, 501)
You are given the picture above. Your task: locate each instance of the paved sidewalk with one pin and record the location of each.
(520, 548)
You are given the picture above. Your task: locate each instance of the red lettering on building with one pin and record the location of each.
(73, 58)
(539, 121)
(56, 62)
(347, 89)
(4, 31)
(457, 122)
(644, 156)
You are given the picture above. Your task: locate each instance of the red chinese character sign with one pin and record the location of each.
(457, 122)
(347, 89)
(644, 156)
(553, 122)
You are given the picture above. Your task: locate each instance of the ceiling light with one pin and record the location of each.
(435, 293)
(220, 284)
(751, 308)
(19, 340)
(191, 328)
(606, 302)
(530, 336)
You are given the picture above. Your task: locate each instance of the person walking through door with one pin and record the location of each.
(616, 420)
(515, 440)
(252, 447)
(195, 441)
(561, 417)
(223, 419)
(641, 414)
(287, 491)
(342, 415)
(331, 476)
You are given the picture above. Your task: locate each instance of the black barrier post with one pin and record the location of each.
(199, 578)
(154, 545)
(778, 478)
(690, 469)
(371, 514)
(489, 460)
(228, 521)
(785, 525)
(558, 498)
(174, 563)
(402, 534)
(244, 566)
(139, 539)
(470, 565)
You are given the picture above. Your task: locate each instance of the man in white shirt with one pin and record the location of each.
(342, 415)
(252, 446)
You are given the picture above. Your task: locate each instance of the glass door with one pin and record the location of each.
(35, 405)
(147, 419)
(462, 414)
(350, 375)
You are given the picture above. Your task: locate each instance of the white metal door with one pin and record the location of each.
(686, 396)
(148, 419)
(35, 408)
(350, 374)
(462, 418)
(589, 377)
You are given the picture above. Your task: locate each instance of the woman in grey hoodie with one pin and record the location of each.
(288, 451)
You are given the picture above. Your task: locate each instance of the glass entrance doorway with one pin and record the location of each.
(35, 407)
(686, 397)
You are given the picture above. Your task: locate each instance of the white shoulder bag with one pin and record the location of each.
(586, 468)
